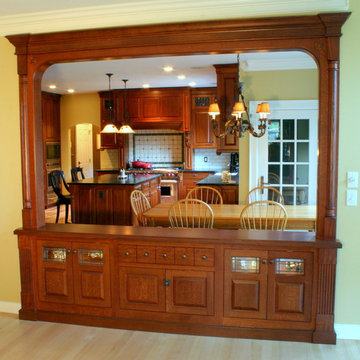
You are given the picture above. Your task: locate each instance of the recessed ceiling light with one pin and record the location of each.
(168, 68)
(192, 83)
(70, 90)
(181, 77)
(146, 86)
(52, 86)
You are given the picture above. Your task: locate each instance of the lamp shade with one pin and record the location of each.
(239, 108)
(214, 110)
(109, 129)
(126, 129)
(263, 110)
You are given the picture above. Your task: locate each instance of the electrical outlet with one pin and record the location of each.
(351, 197)
(205, 159)
(352, 179)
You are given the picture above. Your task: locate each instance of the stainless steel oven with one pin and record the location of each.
(168, 190)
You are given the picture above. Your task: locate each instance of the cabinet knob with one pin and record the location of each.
(264, 261)
(126, 253)
(74, 251)
(146, 254)
(271, 261)
(164, 255)
(184, 256)
(68, 251)
(204, 257)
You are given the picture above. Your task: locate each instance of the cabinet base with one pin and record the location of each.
(171, 327)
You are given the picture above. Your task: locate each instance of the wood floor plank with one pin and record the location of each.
(50, 341)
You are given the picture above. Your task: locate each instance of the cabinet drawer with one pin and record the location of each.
(165, 255)
(154, 182)
(204, 257)
(145, 254)
(184, 256)
(145, 185)
(127, 253)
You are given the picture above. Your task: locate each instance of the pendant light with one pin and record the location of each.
(125, 127)
(110, 127)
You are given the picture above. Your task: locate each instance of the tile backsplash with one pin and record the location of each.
(164, 148)
(159, 147)
(214, 162)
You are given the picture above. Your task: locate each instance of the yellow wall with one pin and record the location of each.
(10, 179)
(76, 109)
(348, 289)
(348, 283)
(272, 85)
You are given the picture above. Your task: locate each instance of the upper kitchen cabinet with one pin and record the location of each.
(163, 108)
(202, 135)
(116, 101)
(227, 78)
(166, 108)
(50, 116)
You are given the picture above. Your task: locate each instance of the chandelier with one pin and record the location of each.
(110, 127)
(238, 120)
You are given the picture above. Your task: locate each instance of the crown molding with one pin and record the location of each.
(142, 12)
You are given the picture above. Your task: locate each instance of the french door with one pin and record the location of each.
(286, 156)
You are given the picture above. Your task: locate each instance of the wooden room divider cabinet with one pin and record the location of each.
(271, 285)
(71, 273)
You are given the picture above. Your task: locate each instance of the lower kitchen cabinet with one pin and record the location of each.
(268, 285)
(188, 180)
(172, 291)
(73, 273)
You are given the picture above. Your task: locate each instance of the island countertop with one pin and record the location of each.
(215, 180)
(112, 179)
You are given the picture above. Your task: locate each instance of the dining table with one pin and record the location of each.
(227, 216)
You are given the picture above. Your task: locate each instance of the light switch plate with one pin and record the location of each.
(352, 179)
(351, 197)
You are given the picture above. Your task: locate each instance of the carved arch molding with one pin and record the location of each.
(318, 35)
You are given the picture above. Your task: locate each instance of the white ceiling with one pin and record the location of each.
(90, 76)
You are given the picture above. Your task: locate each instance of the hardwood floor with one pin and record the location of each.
(40, 340)
(50, 215)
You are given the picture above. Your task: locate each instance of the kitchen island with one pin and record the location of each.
(105, 199)
(228, 190)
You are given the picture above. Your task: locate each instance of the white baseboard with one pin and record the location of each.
(343, 331)
(9, 307)
(347, 331)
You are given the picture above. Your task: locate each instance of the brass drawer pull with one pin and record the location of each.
(204, 257)
(184, 256)
(264, 261)
(146, 254)
(68, 251)
(271, 261)
(126, 253)
(164, 255)
(74, 251)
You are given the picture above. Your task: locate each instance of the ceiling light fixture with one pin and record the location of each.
(110, 127)
(125, 128)
(52, 86)
(70, 90)
(181, 77)
(192, 83)
(146, 86)
(168, 68)
(235, 123)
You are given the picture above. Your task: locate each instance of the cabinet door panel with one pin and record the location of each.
(142, 289)
(55, 272)
(190, 292)
(245, 284)
(92, 274)
(290, 286)
(170, 106)
(150, 107)
(103, 206)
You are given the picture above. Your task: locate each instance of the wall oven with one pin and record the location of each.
(168, 190)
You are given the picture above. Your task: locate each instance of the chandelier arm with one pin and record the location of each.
(216, 128)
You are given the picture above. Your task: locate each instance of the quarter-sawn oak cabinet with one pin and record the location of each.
(202, 135)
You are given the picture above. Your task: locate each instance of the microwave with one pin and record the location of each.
(52, 150)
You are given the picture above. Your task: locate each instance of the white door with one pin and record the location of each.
(84, 149)
(286, 156)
